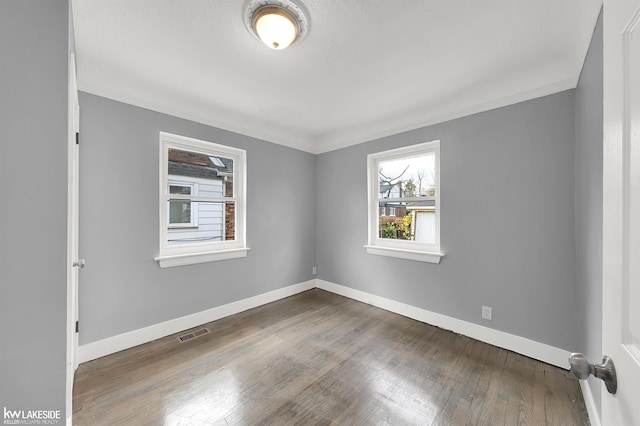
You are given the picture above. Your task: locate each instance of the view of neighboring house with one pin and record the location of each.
(408, 220)
(199, 220)
(393, 190)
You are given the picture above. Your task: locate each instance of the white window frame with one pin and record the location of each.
(403, 249)
(194, 205)
(187, 254)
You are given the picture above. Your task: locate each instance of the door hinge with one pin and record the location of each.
(77, 138)
(77, 326)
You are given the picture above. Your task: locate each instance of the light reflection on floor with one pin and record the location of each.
(401, 397)
(207, 400)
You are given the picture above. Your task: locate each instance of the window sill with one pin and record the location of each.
(202, 257)
(421, 256)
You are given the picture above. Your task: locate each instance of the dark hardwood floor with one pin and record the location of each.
(317, 358)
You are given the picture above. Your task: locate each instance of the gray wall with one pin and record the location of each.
(507, 224)
(33, 169)
(122, 288)
(588, 221)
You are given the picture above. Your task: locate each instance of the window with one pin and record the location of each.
(404, 202)
(183, 213)
(202, 201)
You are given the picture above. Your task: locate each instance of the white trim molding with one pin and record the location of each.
(188, 253)
(429, 116)
(521, 345)
(216, 116)
(193, 258)
(590, 403)
(100, 348)
(540, 351)
(410, 249)
(421, 256)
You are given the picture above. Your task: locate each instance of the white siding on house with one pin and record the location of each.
(393, 192)
(210, 226)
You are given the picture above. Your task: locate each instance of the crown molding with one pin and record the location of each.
(430, 116)
(203, 113)
(223, 119)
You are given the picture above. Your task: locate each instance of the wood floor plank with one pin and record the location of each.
(321, 359)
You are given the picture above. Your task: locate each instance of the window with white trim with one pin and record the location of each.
(183, 213)
(202, 201)
(404, 202)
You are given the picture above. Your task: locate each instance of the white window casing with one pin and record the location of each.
(403, 248)
(189, 252)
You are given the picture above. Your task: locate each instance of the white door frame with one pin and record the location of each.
(73, 127)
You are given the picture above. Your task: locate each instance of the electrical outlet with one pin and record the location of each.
(314, 270)
(487, 312)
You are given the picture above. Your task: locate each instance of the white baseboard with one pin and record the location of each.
(530, 348)
(594, 417)
(130, 339)
(540, 351)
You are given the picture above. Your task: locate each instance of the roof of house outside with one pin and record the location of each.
(386, 187)
(193, 164)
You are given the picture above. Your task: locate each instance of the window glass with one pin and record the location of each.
(402, 178)
(213, 178)
(180, 210)
(203, 196)
(404, 210)
(407, 177)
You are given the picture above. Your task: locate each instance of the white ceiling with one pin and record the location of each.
(367, 69)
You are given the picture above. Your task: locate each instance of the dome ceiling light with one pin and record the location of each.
(277, 23)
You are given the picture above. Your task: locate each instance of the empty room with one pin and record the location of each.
(226, 212)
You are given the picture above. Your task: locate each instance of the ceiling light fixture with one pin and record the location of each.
(277, 23)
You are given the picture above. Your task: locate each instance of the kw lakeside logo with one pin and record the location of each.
(31, 417)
